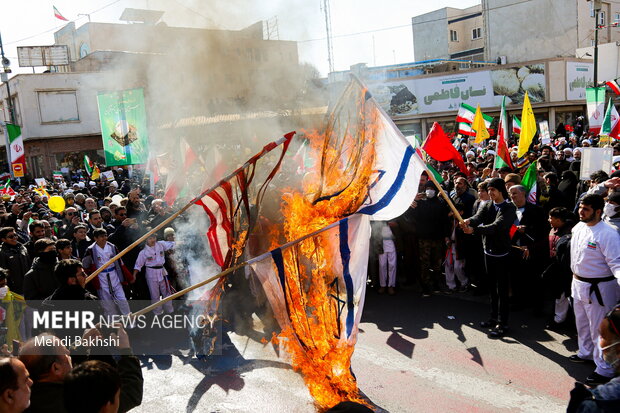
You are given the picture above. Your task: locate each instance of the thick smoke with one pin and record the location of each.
(225, 90)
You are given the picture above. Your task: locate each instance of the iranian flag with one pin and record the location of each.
(529, 182)
(58, 15)
(6, 189)
(516, 125)
(595, 98)
(18, 155)
(465, 119)
(502, 157)
(91, 169)
(613, 85)
(611, 126)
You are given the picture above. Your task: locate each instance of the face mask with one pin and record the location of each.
(609, 209)
(48, 257)
(3, 291)
(430, 193)
(610, 358)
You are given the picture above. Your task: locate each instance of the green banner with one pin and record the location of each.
(123, 127)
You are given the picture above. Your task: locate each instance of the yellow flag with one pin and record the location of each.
(478, 125)
(528, 127)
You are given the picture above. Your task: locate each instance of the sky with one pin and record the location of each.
(364, 31)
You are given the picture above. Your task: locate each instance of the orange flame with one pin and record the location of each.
(314, 338)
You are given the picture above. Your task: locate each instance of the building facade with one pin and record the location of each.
(449, 33)
(556, 88)
(509, 31)
(184, 73)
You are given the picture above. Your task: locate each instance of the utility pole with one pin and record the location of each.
(596, 5)
(328, 30)
(5, 78)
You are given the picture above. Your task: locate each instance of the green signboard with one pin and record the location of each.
(123, 127)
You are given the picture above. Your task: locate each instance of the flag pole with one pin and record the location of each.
(266, 149)
(232, 269)
(443, 193)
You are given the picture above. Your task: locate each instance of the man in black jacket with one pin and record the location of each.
(493, 221)
(71, 280)
(430, 215)
(39, 282)
(14, 258)
(50, 364)
(532, 237)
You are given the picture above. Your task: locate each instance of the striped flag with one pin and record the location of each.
(613, 85)
(228, 206)
(58, 15)
(516, 125)
(17, 151)
(611, 124)
(91, 169)
(465, 119)
(6, 189)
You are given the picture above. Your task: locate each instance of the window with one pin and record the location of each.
(601, 18)
(591, 8)
(476, 33)
(454, 37)
(58, 106)
(617, 18)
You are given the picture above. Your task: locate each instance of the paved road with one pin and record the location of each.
(413, 355)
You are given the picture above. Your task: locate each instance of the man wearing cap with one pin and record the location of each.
(595, 262)
(493, 221)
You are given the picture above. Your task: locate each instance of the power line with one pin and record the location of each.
(381, 29)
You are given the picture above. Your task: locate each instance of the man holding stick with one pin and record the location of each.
(110, 290)
(493, 221)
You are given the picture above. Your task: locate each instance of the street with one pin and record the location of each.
(413, 355)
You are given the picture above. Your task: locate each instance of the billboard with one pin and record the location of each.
(400, 97)
(578, 77)
(30, 56)
(122, 115)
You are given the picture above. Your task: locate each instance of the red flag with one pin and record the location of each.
(439, 147)
(513, 230)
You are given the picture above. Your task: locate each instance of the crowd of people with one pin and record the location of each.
(45, 257)
(556, 252)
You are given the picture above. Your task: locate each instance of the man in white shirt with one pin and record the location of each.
(110, 290)
(595, 262)
(153, 258)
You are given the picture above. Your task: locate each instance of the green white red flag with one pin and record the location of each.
(17, 152)
(516, 125)
(611, 124)
(465, 119)
(6, 189)
(58, 15)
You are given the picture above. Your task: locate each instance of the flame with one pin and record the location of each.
(314, 339)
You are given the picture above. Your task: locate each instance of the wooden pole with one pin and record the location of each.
(262, 153)
(229, 270)
(445, 196)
